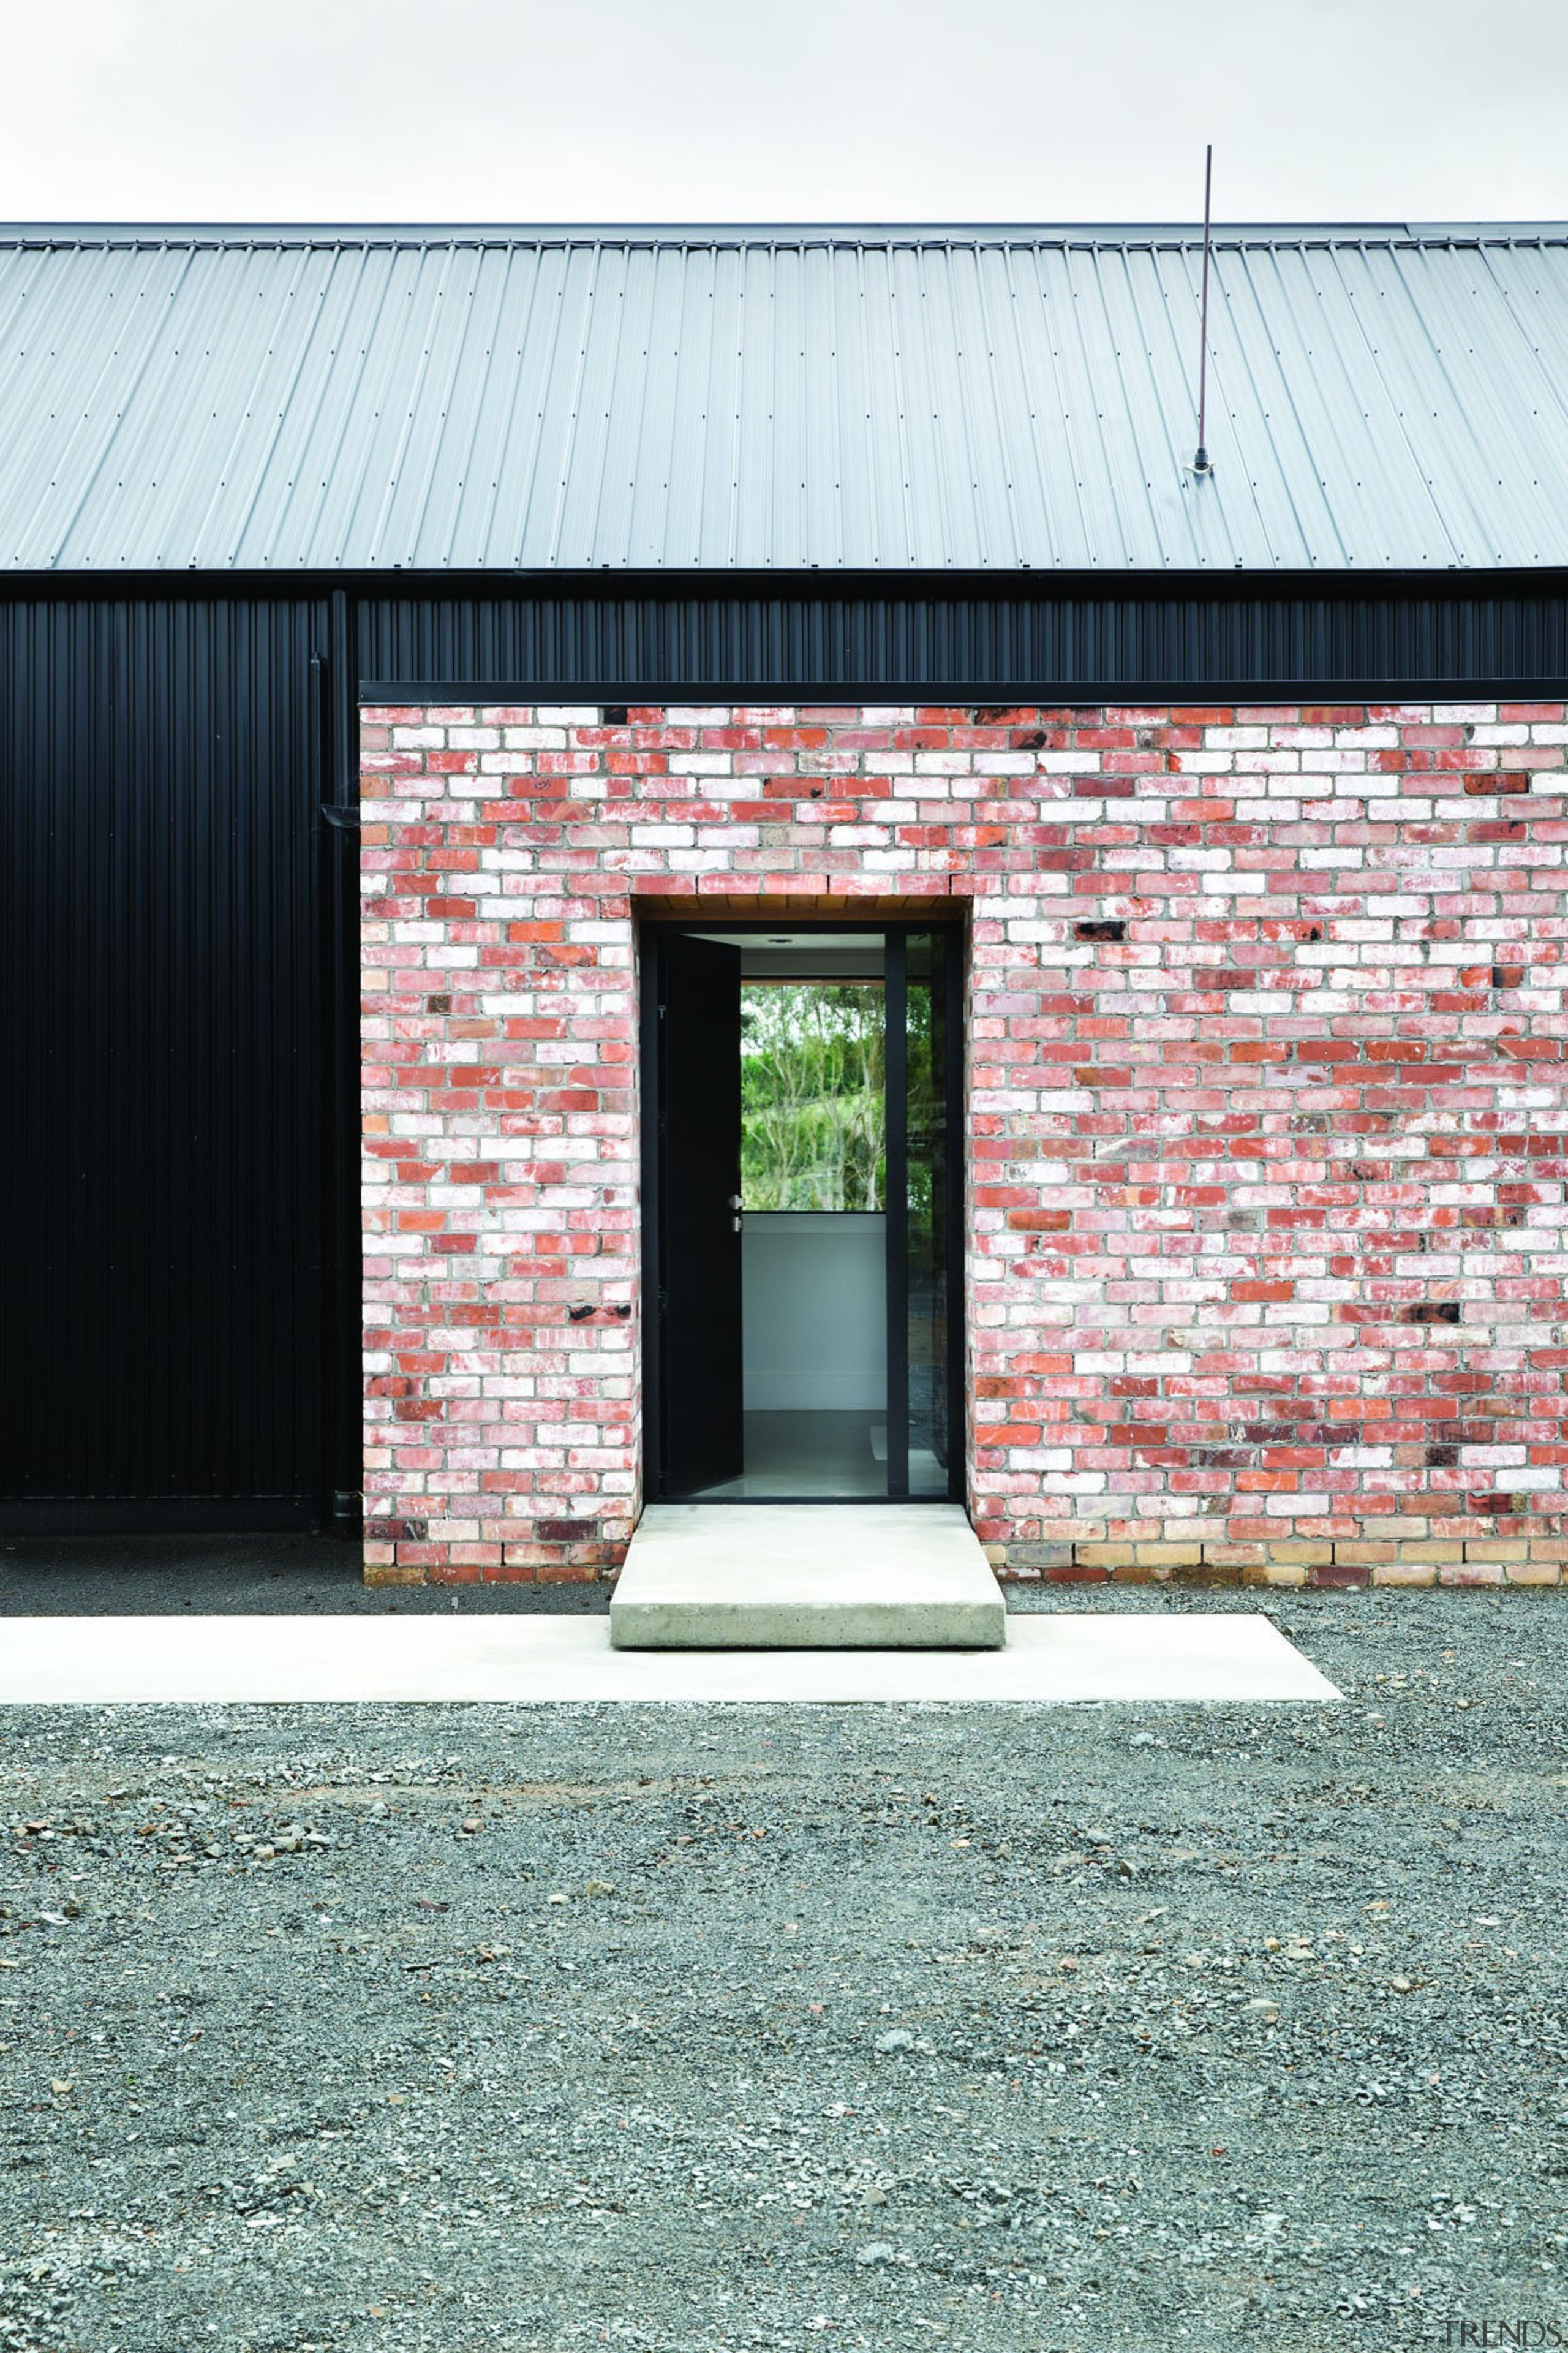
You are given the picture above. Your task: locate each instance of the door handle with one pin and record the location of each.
(737, 1204)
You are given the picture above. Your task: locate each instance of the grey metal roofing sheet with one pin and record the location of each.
(491, 400)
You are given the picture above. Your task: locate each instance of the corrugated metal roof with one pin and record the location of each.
(715, 400)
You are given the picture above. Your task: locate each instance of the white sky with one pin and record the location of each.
(813, 110)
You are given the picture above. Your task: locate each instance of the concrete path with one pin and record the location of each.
(793, 1577)
(1055, 1656)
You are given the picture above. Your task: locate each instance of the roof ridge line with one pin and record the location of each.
(698, 233)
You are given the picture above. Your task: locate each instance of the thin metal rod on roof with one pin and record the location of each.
(1200, 464)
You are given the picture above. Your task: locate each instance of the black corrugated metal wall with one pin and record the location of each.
(180, 946)
(166, 1056)
(1080, 642)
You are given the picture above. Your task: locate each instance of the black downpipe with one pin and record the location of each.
(333, 732)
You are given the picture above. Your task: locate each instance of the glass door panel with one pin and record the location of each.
(924, 1168)
(926, 1185)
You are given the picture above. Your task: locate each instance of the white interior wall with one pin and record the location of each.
(814, 1309)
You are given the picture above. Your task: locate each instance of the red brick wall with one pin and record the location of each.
(1266, 1112)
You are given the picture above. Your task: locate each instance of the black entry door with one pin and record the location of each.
(694, 1009)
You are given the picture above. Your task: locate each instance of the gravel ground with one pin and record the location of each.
(386, 2029)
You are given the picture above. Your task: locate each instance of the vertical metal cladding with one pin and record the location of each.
(166, 1059)
(1091, 639)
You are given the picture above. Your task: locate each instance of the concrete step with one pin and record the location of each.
(799, 1576)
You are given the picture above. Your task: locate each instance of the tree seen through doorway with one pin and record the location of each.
(813, 1099)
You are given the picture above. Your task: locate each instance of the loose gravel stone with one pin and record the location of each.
(292, 2059)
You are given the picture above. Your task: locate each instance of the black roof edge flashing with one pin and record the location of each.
(1075, 694)
(902, 584)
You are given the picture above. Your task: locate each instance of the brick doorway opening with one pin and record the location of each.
(802, 1088)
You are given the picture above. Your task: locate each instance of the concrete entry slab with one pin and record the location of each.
(783, 1577)
(1053, 1658)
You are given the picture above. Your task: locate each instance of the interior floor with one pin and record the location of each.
(836, 1457)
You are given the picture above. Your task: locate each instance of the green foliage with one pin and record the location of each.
(813, 1107)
